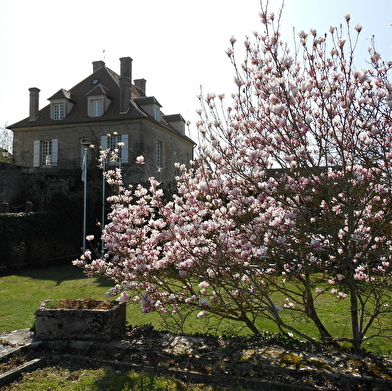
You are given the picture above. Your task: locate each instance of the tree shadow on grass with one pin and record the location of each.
(133, 380)
(60, 273)
(104, 282)
(118, 381)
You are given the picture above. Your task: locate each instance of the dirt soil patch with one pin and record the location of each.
(74, 304)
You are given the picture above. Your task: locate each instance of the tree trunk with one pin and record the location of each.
(311, 312)
(356, 332)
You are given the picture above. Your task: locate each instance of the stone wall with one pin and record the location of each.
(40, 186)
(22, 190)
(142, 140)
(12, 184)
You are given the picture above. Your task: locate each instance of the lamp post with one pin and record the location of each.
(103, 204)
(84, 179)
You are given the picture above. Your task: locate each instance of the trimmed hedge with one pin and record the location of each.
(28, 239)
(36, 238)
(33, 238)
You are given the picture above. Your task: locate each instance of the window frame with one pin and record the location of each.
(157, 113)
(95, 107)
(159, 153)
(41, 157)
(123, 138)
(58, 111)
(46, 152)
(113, 142)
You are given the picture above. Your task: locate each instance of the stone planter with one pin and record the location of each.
(55, 323)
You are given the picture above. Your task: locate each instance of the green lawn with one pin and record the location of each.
(22, 293)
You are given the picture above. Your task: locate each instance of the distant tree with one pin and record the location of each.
(6, 138)
(289, 200)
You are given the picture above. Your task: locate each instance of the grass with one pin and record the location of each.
(22, 293)
(103, 379)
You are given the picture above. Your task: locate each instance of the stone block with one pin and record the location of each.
(80, 323)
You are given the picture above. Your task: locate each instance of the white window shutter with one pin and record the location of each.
(37, 153)
(104, 142)
(124, 150)
(55, 151)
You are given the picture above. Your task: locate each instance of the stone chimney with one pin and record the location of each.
(140, 84)
(125, 94)
(34, 103)
(97, 65)
(125, 83)
(126, 67)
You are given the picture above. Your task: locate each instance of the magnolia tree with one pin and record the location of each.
(5, 138)
(288, 206)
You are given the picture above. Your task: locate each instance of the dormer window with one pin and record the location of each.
(95, 107)
(98, 101)
(60, 105)
(176, 121)
(157, 113)
(151, 106)
(58, 111)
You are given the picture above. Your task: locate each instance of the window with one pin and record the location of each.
(60, 108)
(157, 113)
(58, 111)
(98, 101)
(95, 107)
(114, 141)
(158, 153)
(111, 142)
(115, 146)
(60, 104)
(45, 153)
(95, 82)
(151, 106)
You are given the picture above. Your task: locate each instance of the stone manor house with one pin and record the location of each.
(100, 112)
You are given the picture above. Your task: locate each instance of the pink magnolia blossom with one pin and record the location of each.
(140, 160)
(290, 188)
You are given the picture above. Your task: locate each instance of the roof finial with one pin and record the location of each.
(104, 56)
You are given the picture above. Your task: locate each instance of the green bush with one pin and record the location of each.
(28, 239)
(38, 237)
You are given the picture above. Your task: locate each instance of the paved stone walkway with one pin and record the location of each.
(14, 339)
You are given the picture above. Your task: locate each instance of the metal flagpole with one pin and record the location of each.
(103, 205)
(84, 179)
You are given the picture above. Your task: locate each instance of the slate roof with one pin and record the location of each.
(99, 89)
(61, 94)
(106, 82)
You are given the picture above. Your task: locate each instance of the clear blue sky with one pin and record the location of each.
(176, 45)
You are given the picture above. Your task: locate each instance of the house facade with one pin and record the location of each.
(106, 110)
